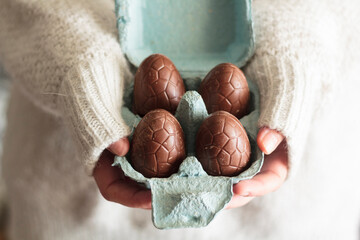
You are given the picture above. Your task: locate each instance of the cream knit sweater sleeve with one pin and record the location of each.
(302, 50)
(65, 56)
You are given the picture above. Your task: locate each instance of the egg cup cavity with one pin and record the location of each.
(190, 197)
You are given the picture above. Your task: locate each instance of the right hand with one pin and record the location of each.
(114, 185)
(272, 174)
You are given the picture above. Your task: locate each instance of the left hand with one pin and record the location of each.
(114, 185)
(272, 174)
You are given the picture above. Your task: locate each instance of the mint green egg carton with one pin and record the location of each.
(190, 197)
(196, 36)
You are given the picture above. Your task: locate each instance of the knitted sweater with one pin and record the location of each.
(65, 58)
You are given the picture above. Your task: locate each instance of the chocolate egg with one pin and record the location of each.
(158, 147)
(225, 88)
(222, 145)
(158, 84)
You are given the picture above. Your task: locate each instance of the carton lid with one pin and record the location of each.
(195, 35)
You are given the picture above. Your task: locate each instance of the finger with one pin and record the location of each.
(120, 147)
(268, 139)
(238, 201)
(129, 193)
(104, 173)
(115, 187)
(271, 177)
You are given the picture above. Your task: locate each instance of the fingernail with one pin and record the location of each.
(270, 142)
(245, 194)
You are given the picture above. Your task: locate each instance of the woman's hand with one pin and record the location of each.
(272, 174)
(114, 185)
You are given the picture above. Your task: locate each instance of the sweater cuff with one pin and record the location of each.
(91, 102)
(288, 100)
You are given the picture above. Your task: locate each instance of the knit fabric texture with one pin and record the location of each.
(65, 57)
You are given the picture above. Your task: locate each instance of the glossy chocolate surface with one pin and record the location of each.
(222, 145)
(158, 84)
(225, 88)
(158, 145)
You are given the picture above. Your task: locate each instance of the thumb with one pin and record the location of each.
(120, 147)
(269, 139)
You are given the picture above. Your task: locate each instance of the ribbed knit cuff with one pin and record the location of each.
(91, 102)
(288, 100)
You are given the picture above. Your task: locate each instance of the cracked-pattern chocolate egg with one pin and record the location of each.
(225, 88)
(158, 84)
(222, 145)
(158, 145)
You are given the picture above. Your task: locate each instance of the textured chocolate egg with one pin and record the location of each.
(222, 145)
(158, 145)
(225, 88)
(158, 84)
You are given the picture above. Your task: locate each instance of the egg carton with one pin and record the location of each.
(191, 197)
